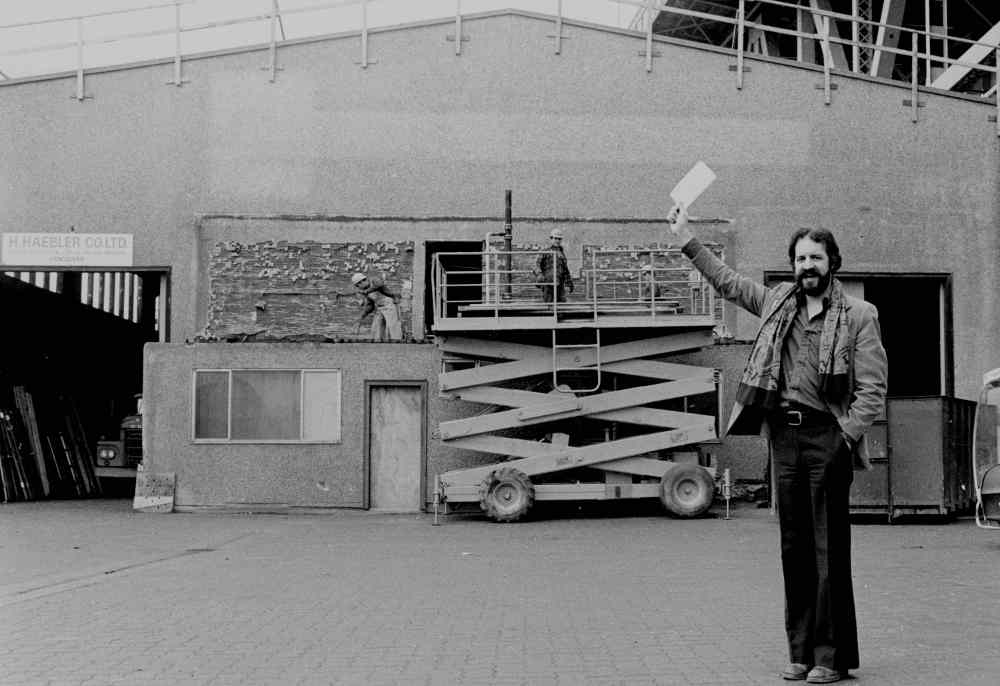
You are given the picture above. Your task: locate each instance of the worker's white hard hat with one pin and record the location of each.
(358, 278)
(556, 233)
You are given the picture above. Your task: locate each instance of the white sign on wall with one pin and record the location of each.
(66, 249)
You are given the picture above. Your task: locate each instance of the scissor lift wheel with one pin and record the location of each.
(687, 490)
(506, 495)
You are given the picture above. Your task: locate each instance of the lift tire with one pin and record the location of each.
(506, 495)
(687, 490)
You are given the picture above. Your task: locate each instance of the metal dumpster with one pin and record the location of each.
(921, 460)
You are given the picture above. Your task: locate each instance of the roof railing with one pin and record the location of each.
(955, 69)
(975, 57)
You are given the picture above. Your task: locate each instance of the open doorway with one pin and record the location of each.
(463, 261)
(71, 374)
(914, 312)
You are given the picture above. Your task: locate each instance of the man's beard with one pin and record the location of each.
(821, 285)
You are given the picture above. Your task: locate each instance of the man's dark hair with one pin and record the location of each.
(819, 236)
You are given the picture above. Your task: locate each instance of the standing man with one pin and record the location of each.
(815, 381)
(382, 302)
(554, 277)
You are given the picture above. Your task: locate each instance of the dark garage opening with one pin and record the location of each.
(71, 378)
(911, 311)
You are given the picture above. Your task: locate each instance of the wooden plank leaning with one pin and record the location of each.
(26, 408)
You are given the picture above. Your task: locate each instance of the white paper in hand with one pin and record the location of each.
(692, 185)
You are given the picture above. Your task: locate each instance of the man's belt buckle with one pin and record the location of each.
(793, 417)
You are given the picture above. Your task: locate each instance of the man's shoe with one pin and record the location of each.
(796, 671)
(823, 675)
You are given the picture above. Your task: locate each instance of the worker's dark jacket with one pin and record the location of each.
(864, 401)
(562, 276)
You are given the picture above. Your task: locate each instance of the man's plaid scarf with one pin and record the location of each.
(759, 386)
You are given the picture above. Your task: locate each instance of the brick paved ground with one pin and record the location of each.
(92, 593)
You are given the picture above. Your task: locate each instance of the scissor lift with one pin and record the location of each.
(584, 408)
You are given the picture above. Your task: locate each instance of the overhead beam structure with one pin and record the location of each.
(837, 52)
(986, 45)
(883, 62)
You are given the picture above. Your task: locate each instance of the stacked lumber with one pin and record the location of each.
(44, 449)
(15, 484)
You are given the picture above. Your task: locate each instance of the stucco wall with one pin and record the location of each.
(424, 133)
(584, 133)
(256, 476)
(215, 474)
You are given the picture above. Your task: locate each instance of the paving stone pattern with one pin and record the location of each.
(93, 593)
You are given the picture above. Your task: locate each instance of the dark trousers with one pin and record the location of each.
(560, 293)
(814, 469)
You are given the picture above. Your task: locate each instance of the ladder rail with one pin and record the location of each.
(556, 346)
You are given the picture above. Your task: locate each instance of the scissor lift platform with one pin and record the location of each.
(593, 363)
(626, 467)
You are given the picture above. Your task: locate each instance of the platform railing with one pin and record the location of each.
(618, 281)
(658, 280)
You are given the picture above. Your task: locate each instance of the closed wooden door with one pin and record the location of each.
(396, 447)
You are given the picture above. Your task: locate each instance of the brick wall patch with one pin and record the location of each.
(284, 289)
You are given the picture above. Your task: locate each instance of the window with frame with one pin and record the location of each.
(267, 405)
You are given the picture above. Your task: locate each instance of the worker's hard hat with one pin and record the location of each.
(358, 278)
(556, 233)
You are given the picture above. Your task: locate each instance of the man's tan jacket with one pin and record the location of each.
(867, 366)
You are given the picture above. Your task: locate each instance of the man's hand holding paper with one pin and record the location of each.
(687, 190)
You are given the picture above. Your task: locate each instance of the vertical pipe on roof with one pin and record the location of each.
(272, 49)
(740, 26)
(364, 34)
(177, 43)
(927, 42)
(827, 59)
(914, 65)
(996, 87)
(855, 39)
(559, 23)
(649, 35)
(508, 238)
(79, 59)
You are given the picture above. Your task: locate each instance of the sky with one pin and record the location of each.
(15, 37)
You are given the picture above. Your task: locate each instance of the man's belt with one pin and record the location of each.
(802, 416)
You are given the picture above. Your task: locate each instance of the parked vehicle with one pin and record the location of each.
(120, 457)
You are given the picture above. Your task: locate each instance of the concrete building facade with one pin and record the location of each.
(233, 180)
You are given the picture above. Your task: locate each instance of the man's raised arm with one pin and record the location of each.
(732, 286)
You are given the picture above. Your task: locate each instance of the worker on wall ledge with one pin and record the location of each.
(553, 272)
(380, 302)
